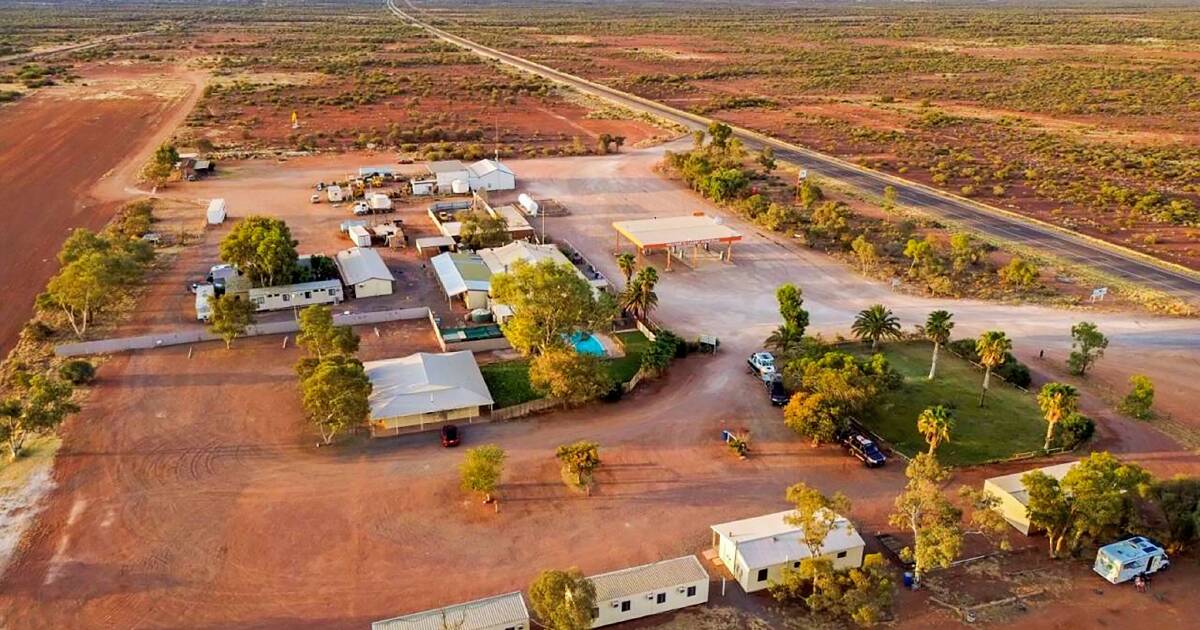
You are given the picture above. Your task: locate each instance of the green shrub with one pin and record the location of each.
(1012, 370)
(77, 371)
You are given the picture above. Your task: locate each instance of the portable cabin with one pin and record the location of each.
(423, 187)
(649, 589)
(335, 194)
(216, 212)
(502, 612)
(1125, 560)
(360, 236)
(296, 295)
(756, 550)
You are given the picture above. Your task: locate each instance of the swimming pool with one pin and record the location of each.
(587, 344)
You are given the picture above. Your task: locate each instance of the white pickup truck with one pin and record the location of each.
(762, 364)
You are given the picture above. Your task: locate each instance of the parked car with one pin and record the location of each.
(864, 449)
(361, 208)
(762, 364)
(776, 391)
(451, 436)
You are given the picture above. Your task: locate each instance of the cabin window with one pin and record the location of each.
(308, 295)
(691, 592)
(795, 565)
(287, 298)
(841, 554)
(625, 606)
(762, 575)
(661, 599)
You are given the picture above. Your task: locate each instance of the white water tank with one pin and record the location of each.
(460, 187)
(216, 212)
(527, 202)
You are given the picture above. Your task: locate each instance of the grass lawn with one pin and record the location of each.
(1010, 423)
(39, 451)
(635, 343)
(509, 380)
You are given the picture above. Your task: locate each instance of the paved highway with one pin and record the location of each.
(1112, 259)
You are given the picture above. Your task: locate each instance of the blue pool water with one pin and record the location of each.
(587, 344)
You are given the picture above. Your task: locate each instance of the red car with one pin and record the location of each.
(450, 436)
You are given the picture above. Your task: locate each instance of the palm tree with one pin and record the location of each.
(639, 297)
(627, 263)
(1057, 400)
(876, 323)
(992, 348)
(936, 423)
(937, 329)
(783, 339)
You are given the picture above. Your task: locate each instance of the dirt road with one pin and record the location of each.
(69, 153)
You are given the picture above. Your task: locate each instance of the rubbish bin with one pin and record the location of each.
(908, 580)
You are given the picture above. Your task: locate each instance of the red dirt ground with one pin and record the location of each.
(58, 144)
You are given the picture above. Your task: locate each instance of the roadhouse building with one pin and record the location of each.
(502, 612)
(648, 589)
(675, 235)
(757, 549)
(410, 393)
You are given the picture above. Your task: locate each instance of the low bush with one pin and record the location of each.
(77, 371)
(1012, 370)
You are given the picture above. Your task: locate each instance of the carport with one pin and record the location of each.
(675, 235)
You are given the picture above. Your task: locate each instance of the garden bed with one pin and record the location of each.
(1011, 422)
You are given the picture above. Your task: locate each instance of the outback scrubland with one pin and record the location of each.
(1084, 117)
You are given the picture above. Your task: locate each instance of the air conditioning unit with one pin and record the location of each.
(616, 604)
(681, 589)
(650, 596)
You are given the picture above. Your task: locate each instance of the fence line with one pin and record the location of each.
(513, 412)
(159, 340)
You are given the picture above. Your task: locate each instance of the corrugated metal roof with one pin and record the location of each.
(447, 166)
(768, 540)
(483, 167)
(425, 383)
(501, 259)
(501, 611)
(1012, 483)
(655, 576)
(359, 264)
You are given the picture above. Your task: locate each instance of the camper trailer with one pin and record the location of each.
(1125, 560)
(204, 293)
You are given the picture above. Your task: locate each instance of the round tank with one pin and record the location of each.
(459, 187)
(528, 203)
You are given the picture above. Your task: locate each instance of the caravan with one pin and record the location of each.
(1125, 560)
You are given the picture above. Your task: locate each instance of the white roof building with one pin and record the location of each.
(491, 175)
(423, 388)
(1014, 498)
(756, 550)
(363, 269)
(501, 259)
(502, 612)
(649, 589)
(446, 172)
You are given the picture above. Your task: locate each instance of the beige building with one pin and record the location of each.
(424, 391)
(756, 550)
(502, 612)
(364, 272)
(463, 275)
(1013, 497)
(649, 589)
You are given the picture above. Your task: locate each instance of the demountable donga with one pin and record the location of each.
(756, 550)
(216, 212)
(296, 295)
(649, 589)
(1125, 560)
(365, 273)
(359, 235)
(1013, 498)
(502, 612)
(334, 193)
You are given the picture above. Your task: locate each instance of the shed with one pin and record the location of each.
(463, 274)
(756, 550)
(649, 589)
(360, 235)
(365, 273)
(423, 389)
(1013, 497)
(518, 226)
(216, 212)
(502, 612)
(491, 175)
(424, 186)
(438, 243)
(445, 172)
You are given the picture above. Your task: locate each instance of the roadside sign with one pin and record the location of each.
(1098, 294)
(803, 174)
